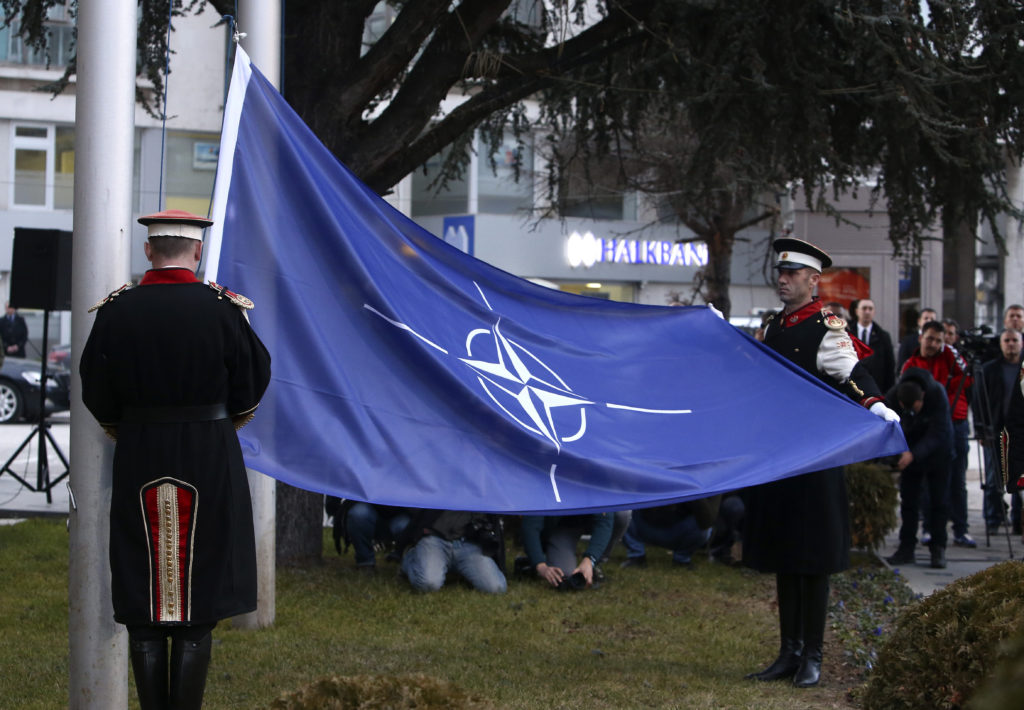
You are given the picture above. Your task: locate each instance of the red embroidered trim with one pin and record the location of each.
(811, 309)
(169, 521)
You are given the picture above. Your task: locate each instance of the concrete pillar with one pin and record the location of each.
(260, 20)
(104, 133)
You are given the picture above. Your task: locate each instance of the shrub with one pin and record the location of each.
(944, 648)
(1002, 690)
(363, 692)
(873, 501)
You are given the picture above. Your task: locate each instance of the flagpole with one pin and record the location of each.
(104, 137)
(260, 20)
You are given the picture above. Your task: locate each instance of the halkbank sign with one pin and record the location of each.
(586, 250)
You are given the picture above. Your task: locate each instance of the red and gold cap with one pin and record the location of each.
(175, 223)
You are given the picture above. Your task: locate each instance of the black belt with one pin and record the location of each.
(166, 415)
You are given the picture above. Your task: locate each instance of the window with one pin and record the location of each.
(43, 166)
(498, 190)
(595, 193)
(189, 169)
(60, 36)
(427, 199)
(377, 24)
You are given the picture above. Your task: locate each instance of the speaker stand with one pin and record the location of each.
(42, 430)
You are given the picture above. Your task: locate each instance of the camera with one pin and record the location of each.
(573, 583)
(483, 533)
(975, 344)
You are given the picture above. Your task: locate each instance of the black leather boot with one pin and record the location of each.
(787, 589)
(149, 665)
(783, 667)
(814, 612)
(809, 672)
(189, 662)
(938, 557)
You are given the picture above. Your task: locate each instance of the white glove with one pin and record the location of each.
(880, 410)
(716, 311)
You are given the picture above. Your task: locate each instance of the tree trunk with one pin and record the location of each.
(718, 272)
(300, 535)
(958, 256)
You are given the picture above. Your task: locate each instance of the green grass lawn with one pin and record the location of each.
(660, 637)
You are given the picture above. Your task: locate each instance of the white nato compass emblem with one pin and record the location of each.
(527, 390)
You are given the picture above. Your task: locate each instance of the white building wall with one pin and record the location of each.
(195, 97)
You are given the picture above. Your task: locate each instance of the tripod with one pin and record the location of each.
(42, 430)
(985, 406)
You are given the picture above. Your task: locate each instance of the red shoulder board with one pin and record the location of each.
(111, 296)
(236, 298)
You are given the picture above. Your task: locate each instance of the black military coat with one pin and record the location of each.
(801, 524)
(170, 367)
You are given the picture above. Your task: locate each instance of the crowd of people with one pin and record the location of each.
(978, 374)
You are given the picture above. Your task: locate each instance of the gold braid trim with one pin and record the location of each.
(243, 418)
(857, 390)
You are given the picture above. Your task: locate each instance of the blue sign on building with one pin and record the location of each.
(458, 231)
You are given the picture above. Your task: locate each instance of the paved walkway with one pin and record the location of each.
(960, 561)
(17, 501)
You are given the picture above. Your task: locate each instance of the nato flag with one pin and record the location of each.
(409, 373)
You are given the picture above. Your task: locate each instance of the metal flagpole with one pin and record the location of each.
(260, 20)
(104, 135)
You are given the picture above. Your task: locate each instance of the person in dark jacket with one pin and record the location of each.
(991, 404)
(882, 361)
(13, 332)
(683, 528)
(1012, 439)
(923, 407)
(170, 370)
(799, 527)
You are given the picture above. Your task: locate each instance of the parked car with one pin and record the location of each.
(60, 355)
(19, 389)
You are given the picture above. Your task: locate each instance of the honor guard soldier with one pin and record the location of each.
(799, 527)
(170, 370)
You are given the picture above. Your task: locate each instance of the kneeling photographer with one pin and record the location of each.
(471, 544)
(550, 543)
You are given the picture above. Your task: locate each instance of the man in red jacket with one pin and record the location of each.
(949, 370)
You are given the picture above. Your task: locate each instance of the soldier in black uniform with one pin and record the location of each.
(799, 527)
(170, 370)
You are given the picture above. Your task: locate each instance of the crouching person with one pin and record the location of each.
(471, 544)
(550, 543)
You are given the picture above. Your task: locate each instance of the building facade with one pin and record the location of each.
(37, 143)
(499, 212)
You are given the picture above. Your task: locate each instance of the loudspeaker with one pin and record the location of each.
(41, 269)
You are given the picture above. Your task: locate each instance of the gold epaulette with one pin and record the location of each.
(111, 296)
(236, 298)
(832, 321)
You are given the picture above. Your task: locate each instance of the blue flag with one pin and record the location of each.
(408, 373)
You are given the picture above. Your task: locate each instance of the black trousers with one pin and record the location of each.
(932, 474)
